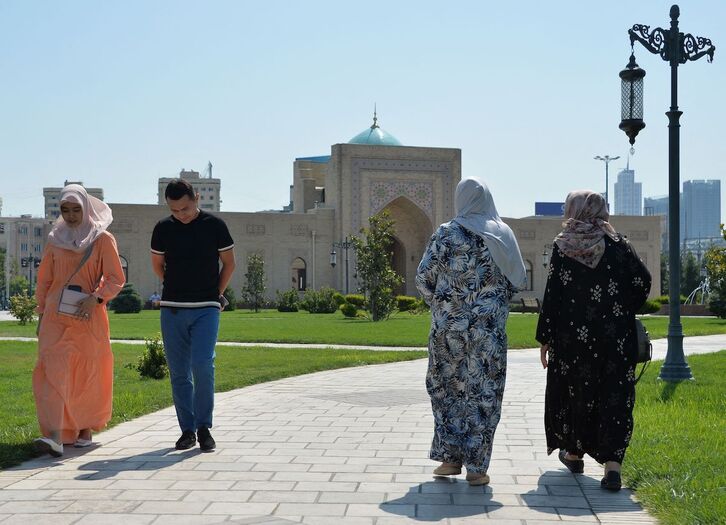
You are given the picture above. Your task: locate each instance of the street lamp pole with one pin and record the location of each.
(606, 159)
(675, 48)
(345, 245)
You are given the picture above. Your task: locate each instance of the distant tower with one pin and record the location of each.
(702, 207)
(208, 188)
(628, 193)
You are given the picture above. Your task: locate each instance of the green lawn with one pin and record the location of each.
(133, 397)
(402, 329)
(677, 457)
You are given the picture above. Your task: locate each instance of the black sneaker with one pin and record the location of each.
(206, 441)
(187, 440)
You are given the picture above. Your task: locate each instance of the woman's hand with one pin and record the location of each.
(543, 354)
(86, 307)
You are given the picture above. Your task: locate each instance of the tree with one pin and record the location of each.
(253, 291)
(19, 284)
(715, 260)
(22, 307)
(128, 301)
(690, 274)
(377, 278)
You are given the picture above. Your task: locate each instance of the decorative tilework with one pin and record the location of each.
(420, 193)
(432, 168)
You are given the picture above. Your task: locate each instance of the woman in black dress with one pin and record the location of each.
(586, 328)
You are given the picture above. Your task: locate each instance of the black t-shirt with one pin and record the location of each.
(191, 255)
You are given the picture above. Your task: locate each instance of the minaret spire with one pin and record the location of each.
(375, 117)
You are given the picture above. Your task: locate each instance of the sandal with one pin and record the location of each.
(46, 445)
(82, 443)
(447, 469)
(576, 466)
(611, 481)
(475, 478)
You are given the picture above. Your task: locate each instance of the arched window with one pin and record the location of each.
(299, 276)
(530, 280)
(125, 266)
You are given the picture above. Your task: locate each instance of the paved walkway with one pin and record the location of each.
(341, 447)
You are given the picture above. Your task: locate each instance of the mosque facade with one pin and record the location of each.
(332, 197)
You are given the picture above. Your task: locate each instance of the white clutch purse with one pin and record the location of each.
(68, 304)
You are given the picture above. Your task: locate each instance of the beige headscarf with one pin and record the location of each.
(585, 227)
(476, 212)
(97, 217)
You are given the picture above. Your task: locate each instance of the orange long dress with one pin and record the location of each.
(73, 378)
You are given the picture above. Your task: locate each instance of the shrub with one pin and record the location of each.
(339, 298)
(320, 302)
(356, 299)
(288, 301)
(404, 303)
(419, 307)
(649, 307)
(229, 294)
(253, 291)
(152, 362)
(128, 301)
(22, 307)
(349, 309)
(664, 299)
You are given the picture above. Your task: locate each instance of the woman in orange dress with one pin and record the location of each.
(73, 378)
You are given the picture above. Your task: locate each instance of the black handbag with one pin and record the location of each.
(645, 347)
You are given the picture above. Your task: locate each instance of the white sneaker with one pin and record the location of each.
(82, 443)
(46, 445)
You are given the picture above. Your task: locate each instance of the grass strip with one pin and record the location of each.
(677, 458)
(402, 329)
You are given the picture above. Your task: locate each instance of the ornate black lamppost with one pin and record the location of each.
(345, 245)
(676, 48)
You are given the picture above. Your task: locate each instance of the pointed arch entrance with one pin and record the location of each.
(412, 231)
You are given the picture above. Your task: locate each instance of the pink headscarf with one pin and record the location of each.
(585, 227)
(97, 217)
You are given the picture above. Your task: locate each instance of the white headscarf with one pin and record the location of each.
(476, 212)
(97, 217)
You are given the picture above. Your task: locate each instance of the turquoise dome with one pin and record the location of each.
(375, 136)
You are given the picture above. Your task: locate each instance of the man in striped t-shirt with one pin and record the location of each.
(186, 250)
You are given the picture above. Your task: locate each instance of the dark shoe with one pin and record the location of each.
(576, 466)
(187, 440)
(206, 441)
(611, 481)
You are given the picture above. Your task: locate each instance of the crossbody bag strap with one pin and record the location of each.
(86, 256)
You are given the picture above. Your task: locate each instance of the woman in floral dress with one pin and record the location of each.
(586, 327)
(471, 268)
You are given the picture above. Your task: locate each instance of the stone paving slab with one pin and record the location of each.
(340, 447)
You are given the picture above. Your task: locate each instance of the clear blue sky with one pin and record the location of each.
(117, 94)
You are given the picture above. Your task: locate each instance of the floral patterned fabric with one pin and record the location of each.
(588, 319)
(469, 299)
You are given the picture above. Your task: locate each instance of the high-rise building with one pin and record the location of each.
(702, 206)
(52, 198)
(207, 188)
(658, 206)
(628, 194)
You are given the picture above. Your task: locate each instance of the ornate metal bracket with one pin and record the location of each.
(659, 41)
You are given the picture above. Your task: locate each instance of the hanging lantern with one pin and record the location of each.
(632, 99)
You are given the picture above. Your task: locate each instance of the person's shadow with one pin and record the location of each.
(154, 460)
(442, 498)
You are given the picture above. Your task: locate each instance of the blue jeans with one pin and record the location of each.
(190, 335)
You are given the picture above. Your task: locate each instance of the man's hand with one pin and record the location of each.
(543, 354)
(223, 302)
